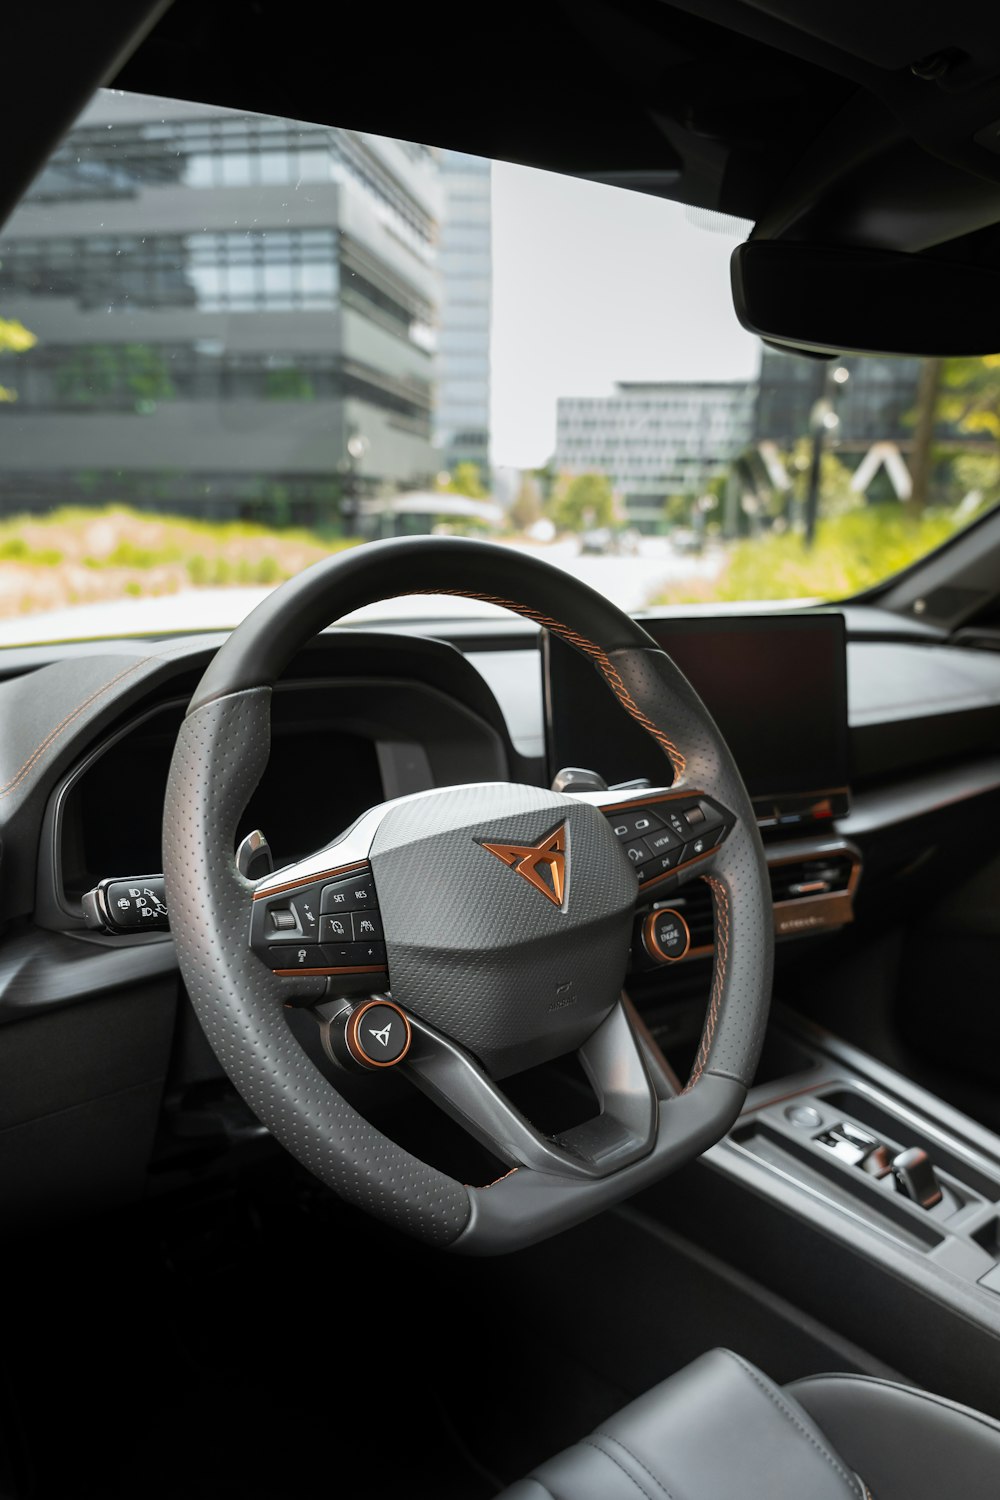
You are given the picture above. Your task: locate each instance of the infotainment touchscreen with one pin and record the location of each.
(775, 684)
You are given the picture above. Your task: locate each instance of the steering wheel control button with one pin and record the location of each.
(283, 920)
(666, 936)
(663, 841)
(355, 894)
(290, 957)
(354, 955)
(634, 824)
(367, 926)
(336, 929)
(377, 1034)
(637, 851)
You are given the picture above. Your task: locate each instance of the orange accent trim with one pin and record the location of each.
(671, 796)
(600, 659)
(358, 969)
(525, 859)
(644, 885)
(355, 1048)
(650, 942)
(291, 885)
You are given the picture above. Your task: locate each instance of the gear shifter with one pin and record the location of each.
(915, 1176)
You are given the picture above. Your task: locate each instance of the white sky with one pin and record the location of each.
(591, 285)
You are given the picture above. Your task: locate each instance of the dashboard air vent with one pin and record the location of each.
(824, 876)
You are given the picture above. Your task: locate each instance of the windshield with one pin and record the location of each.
(232, 344)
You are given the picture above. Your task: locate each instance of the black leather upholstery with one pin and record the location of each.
(720, 1430)
(909, 1444)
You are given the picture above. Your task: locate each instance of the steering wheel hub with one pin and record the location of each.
(491, 957)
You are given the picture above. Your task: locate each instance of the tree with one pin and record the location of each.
(583, 503)
(527, 506)
(466, 479)
(970, 395)
(14, 339)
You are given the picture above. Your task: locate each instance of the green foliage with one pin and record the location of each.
(16, 549)
(852, 552)
(677, 510)
(466, 479)
(583, 503)
(14, 339)
(970, 395)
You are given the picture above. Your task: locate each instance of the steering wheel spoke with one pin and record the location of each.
(622, 1130)
(320, 916)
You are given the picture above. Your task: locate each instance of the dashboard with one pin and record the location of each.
(872, 748)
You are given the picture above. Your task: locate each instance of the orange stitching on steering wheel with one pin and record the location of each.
(718, 979)
(600, 658)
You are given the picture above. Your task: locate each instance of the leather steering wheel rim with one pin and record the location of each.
(220, 755)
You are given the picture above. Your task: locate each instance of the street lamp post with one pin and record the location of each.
(357, 447)
(823, 419)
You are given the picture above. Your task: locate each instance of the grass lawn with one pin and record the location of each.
(80, 556)
(851, 552)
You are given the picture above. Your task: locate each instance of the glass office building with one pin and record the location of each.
(655, 440)
(463, 369)
(235, 316)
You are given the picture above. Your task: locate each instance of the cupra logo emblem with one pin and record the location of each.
(544, 865)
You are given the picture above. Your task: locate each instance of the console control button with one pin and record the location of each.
(378, 1034)
(291, 956)
(804, 1116)
(666, 936)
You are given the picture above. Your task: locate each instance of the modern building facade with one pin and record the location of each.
(655, 440)
(875, 404)
(235, 316)
(462, 425)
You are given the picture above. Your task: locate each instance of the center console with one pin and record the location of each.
(863, 1199)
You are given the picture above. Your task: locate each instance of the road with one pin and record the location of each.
(629, 581)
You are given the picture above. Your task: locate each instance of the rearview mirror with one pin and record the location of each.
(833, 300)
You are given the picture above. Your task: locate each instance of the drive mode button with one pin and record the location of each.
(378, 1034)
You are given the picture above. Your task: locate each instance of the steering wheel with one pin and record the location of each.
(467, 933)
